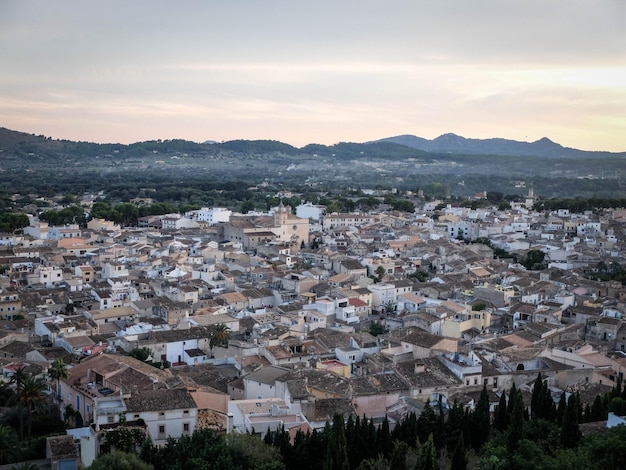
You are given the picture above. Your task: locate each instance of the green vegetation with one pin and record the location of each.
(10, 222)
(534, 260)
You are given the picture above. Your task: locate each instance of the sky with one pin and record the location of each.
(323, 71)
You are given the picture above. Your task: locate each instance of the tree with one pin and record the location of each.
(18, 378)
(459, 458)
(246, 206)
(30, 394)
(380, 273)
(141, 354)
(219, 336)
(337, 452)
(481, 420)
(398, 456)
(570, 432)
(56, 372)
(124, 438)
(501, 417)
(25, 466)
(390, 307)
(516, 419)
(427, 459)
(534, 260)
(119, 461)
(8, 445)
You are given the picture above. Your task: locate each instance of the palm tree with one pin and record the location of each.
(220, 335)
(30, 395)
(25, 466)
(57, 371)
(6, 394)
(18, 378)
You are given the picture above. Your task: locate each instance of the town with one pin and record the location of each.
(281, 320)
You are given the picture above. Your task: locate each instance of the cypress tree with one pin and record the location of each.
(398, 456)
(516, 427)
(560, 410)
(597, 411)
(356, 449)
(459, 458)
(512, 393)
(350, 435)
(501, 417)
(336, 454)
(481, 420)
(536, 395)
(454, 425)
(371, 439)
(427, 460)
(383, 439)
(570, 432)
(548, 408)
(426, 423)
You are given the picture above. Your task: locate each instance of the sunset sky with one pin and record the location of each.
(322, 71)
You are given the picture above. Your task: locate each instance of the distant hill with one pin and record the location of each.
(452, 143)
(399, 147)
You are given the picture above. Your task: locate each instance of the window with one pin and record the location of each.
(161, 428)
(185, 427)
(475, 380)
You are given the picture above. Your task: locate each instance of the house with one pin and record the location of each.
(262, 383)
(166, 412)
(63, 452)
(382, 294)
(415, 343)
(260, 416)
(410, 302)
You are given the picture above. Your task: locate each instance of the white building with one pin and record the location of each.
(166, 412)
(259, 416)
(382, 294)
(213, 216)
(310, 211)
(49, 276)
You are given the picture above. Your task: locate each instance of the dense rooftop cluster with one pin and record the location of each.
(251, 322)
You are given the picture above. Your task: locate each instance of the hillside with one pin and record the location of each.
(449, 164)
(452, 143)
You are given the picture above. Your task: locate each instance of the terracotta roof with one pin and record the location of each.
(160, 400)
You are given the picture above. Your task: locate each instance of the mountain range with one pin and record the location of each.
(456, 144)
(398, 146)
